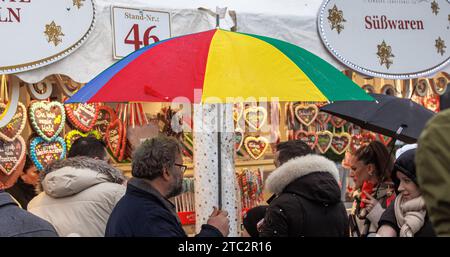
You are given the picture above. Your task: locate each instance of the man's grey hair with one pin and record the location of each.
(152, 156)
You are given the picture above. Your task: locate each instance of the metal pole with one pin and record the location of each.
(219, 158)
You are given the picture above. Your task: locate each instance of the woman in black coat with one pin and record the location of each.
(407, 217)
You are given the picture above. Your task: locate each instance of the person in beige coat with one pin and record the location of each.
(79, 193)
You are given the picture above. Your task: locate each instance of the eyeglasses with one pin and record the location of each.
(182, 167)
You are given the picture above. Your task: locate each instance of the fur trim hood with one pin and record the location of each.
(73, 175)
(298, 167)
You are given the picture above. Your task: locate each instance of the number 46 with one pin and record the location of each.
(135, 41)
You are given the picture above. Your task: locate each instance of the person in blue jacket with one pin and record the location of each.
(145, 210)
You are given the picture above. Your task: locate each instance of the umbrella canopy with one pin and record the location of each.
(384, 116)
(215, 65)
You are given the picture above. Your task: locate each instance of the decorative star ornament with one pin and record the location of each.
(53, 33)
(384, 54)
(78, 3)
(440, 45)
(336, 18)
(435, 7)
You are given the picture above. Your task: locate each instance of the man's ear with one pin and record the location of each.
(166, 174)
(371, 169)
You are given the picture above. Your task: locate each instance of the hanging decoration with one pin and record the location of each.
(340, 142)
(47, 119)
(384, 139)
(255, 116)
(11, 103)
(11, 154)
(14, 128)
(114, 135)
(356, 143)
(44, 153)
(40, 91)
(82, 116)
(250, 183)
(73, 135)
(238, 139)
(337, 122)
(306, 114)
(324, 140)
(238, 109)
(256, 146)
(310, 138)
(106, 115)
(323, 118)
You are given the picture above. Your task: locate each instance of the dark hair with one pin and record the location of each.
(152, 156)
(88, 146)
(377, 154)
(28, 163)
(291, 149)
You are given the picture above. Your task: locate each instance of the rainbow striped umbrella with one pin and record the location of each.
(217, 66)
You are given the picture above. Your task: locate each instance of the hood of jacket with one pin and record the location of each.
(312, 176)
(70, 176)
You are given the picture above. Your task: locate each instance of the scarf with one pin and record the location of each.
(410, 215)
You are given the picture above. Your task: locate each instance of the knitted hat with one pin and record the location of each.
(251, 219)
(406, 165)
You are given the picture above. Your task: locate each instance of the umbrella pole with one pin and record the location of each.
(219, 158)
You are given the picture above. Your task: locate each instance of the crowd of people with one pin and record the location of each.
(84, 195)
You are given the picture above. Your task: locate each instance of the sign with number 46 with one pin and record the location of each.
(136, 28)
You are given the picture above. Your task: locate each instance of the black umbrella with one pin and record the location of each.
(399, 118)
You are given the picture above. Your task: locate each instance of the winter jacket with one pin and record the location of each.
(388, 218)
(144, 212)
(307, 200)
(16, 222)
(79, 195)
(433, 170)
(22, 192)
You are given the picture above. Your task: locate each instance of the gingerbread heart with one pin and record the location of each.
(368, 137)
(324, 139)
(310, 138)
(255, 116)
(82, 116)
(11, 154)
(256, 146)
(238, 109)
(306, 114)
(114, 137)
(44, 153)
(47, 119)
(323, 118)
(384, 139)
(106, 115)
(337, 122)
(340, 142)
(357, 142)
(14, 128)
(75, 134)
(238, 139)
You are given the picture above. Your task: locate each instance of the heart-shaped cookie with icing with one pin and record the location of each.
(73, 135)
(256, 146)
(47, 119)
(11, 154)
(15, 127)
(44, 153)
(82, 116)
(306, 114)
(310, 138)
(340, 142)
(337, 122)
(324, 139)
(106, 115)
(114, 137)
(323, 118)
(255, 116)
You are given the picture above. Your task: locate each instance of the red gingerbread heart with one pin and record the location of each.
(114, 137)
(82, 116)
(357, 142)
(337, 122)
(106, 115)
(323, 118)
(310, 138)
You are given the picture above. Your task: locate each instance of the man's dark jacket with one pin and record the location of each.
(144, 212)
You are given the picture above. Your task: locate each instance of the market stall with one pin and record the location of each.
(46, 128)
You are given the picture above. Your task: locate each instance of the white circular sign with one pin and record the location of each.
(395, 39)
(37, 33)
